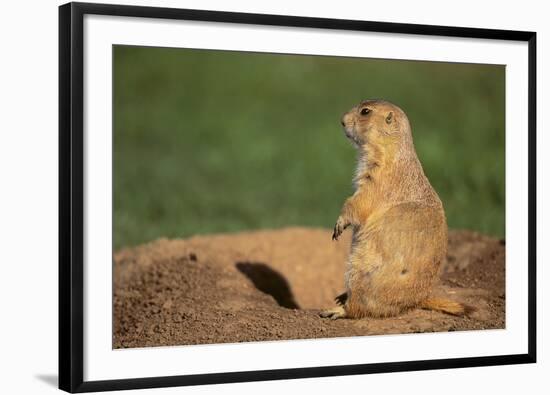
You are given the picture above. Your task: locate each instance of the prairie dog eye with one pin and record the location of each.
(365, 111)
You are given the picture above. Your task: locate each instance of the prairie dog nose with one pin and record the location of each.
(347, 119)
(344, 119)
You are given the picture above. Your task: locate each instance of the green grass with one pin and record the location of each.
(214, 141)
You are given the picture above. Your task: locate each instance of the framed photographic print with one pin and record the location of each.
(251, 197)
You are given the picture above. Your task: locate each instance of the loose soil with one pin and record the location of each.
(271, 285)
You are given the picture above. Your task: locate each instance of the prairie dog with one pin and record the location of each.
(399, 226)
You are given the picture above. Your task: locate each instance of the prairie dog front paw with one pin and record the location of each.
(339, 228)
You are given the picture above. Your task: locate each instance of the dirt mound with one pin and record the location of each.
(271, 285)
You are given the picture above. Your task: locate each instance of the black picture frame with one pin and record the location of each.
(71, 204)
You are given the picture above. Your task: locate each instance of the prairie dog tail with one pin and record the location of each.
(447, 306)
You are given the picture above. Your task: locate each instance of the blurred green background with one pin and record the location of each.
(216, 141)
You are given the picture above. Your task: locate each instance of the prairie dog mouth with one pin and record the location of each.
(351, 136)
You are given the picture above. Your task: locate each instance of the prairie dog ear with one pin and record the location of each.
(389, 117)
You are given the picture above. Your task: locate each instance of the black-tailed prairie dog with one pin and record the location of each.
(399, 227)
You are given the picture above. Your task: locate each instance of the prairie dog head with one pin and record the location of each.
(378, 123)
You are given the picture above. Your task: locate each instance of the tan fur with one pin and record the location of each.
(399, 227)
(446, 306)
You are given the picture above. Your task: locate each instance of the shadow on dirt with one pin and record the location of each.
(269, 281)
